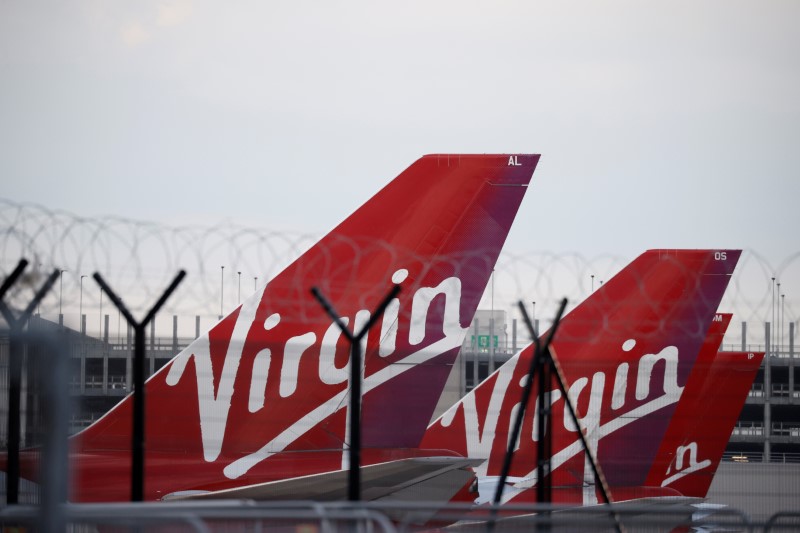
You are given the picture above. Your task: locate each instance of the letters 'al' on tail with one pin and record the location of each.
(626, 353)
(273, 375)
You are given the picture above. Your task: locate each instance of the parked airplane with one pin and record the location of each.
(258, 404)
(626, 353)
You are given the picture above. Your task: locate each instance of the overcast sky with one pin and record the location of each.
(660, 124)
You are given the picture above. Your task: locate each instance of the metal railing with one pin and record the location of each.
(785, 429)
(758, 457)
(749, 429)
(783, 351)
(743, 457)
(781, 389)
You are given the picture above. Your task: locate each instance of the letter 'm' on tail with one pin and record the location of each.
(626, 353)
(248, 400)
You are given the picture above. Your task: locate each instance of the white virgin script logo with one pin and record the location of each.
(691, 466)
(480, 437)
(214, 408)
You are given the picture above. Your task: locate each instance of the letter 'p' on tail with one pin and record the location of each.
(271, 378)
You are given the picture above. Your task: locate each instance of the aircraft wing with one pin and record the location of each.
(661, 513)
(415, 479)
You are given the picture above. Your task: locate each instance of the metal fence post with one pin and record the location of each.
(138, 436)
(16, 352)
(354, 473)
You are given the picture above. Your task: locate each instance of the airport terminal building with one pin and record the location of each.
(768, 429)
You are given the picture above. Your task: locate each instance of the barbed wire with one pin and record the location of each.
(226, 262)
(137, 257)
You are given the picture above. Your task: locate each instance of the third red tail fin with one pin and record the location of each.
(704, 420)
(682, 425)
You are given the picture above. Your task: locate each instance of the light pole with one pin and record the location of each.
(221, 288)
(778, 311)
(239, 296)
(772, 326)
(592, 282)
(255, 283)
(783, 313)
(101, 313)
(80, 307)
(39, 305)
(60, 291)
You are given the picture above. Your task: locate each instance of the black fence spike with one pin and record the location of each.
(354, 472)
(138, 435)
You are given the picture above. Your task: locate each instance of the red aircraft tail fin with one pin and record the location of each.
(704, 419)
(626, 353)
(272, 377)
(684, 420)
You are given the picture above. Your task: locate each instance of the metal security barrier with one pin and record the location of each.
(201, 517)
(411, 517)
(45, 351)
(783, 522)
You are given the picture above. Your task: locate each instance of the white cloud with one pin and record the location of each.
(173, 13)
(134, 34)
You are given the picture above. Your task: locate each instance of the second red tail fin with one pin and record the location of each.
(626, 353)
